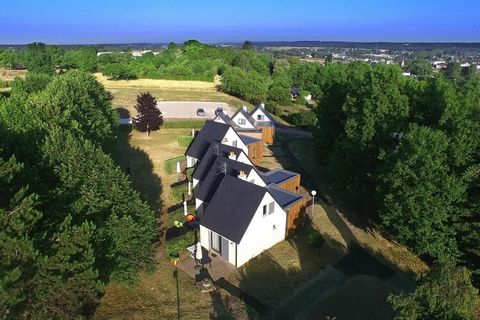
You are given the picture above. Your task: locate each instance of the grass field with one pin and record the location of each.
(125, 91)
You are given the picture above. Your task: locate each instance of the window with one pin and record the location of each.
(274, 227)
(234, 143)
(260, 117)
(268, 209)
(271, 207)
(241, 121)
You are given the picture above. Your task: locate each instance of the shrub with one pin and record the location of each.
(315, 239)
(170, 164)
(184, 141)
(273, 108)
(304, 119)
(188, 124)
(175, 246)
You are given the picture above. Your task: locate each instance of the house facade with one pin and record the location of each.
(241, 210)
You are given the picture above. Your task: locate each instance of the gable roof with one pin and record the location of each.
(226, 118)
(277, 176)
(283, 197)
(211, 132)
(247, 115)
(248, 140)
(232, 208)
(264, 111)
(214, 150)
(221, 167)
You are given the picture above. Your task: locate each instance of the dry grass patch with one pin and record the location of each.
(155, 297)
(125, 92)
(9, 75)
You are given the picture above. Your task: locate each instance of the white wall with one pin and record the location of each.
(204, 237)
(253, 175)
(191, 161)
(231, 136)
(257, 112)
(246, 125)
(260, 234)
(194, 182)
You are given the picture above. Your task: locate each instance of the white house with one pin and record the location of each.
(241, 221)
(213, 132)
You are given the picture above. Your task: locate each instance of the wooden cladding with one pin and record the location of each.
(291, 185)
(255, 152)
(268, 134)
(296, 216)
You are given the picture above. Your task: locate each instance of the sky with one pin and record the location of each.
(130, 21)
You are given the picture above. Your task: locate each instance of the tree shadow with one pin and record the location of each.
(139, 167)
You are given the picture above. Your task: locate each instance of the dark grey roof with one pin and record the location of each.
(277, 176)
(215, 150)
(283, 197)
(221, 167)
(232, 208)
(226, 118)
(211, 132)
(247, 115)
(248, 140)
(267, 114)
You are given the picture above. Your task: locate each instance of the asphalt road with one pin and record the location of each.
(188, 109)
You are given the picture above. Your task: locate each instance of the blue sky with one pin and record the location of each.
(109, 21)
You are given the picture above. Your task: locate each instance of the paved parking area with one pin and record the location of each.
(188, 109)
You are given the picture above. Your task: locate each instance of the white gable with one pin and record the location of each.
(218, 119)
(259, 115)
(231, 138)
(242, 121)
(263, 232)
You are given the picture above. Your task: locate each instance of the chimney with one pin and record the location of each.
(262, 105)
(242, 175)
(232, 156)
(244, 108)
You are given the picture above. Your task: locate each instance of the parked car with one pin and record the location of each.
(219, 110)
(200, 112)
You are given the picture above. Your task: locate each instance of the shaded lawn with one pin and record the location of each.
(275, 274)
(155, 297)
(397, 256)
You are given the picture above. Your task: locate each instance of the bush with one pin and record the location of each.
(303, 119)
(273, 108)
(119, 71)
(187, 124)
(170, 164)
(184, 141)
(175, 246)
(315, 239)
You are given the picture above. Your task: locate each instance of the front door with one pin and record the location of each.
(219, 244)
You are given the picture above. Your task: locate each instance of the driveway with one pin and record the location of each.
(188, 109)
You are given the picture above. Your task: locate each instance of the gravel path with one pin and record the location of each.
(188, 109)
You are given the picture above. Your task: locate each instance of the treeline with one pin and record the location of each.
(409, 152)
(69, 219)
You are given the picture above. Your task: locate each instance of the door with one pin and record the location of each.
(215, 242)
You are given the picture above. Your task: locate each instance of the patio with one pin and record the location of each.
(213, 263)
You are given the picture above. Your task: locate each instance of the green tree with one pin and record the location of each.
(419, 67)
(453, 71)
(303, 118)
(420, 193)
(119, 71)
(445, 293)
(38, 59)
(247, 45)
(149, 116)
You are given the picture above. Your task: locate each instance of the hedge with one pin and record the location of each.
(171, 164)
(189, 124)
(184, 141)
(175, 246)
(178, 191)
